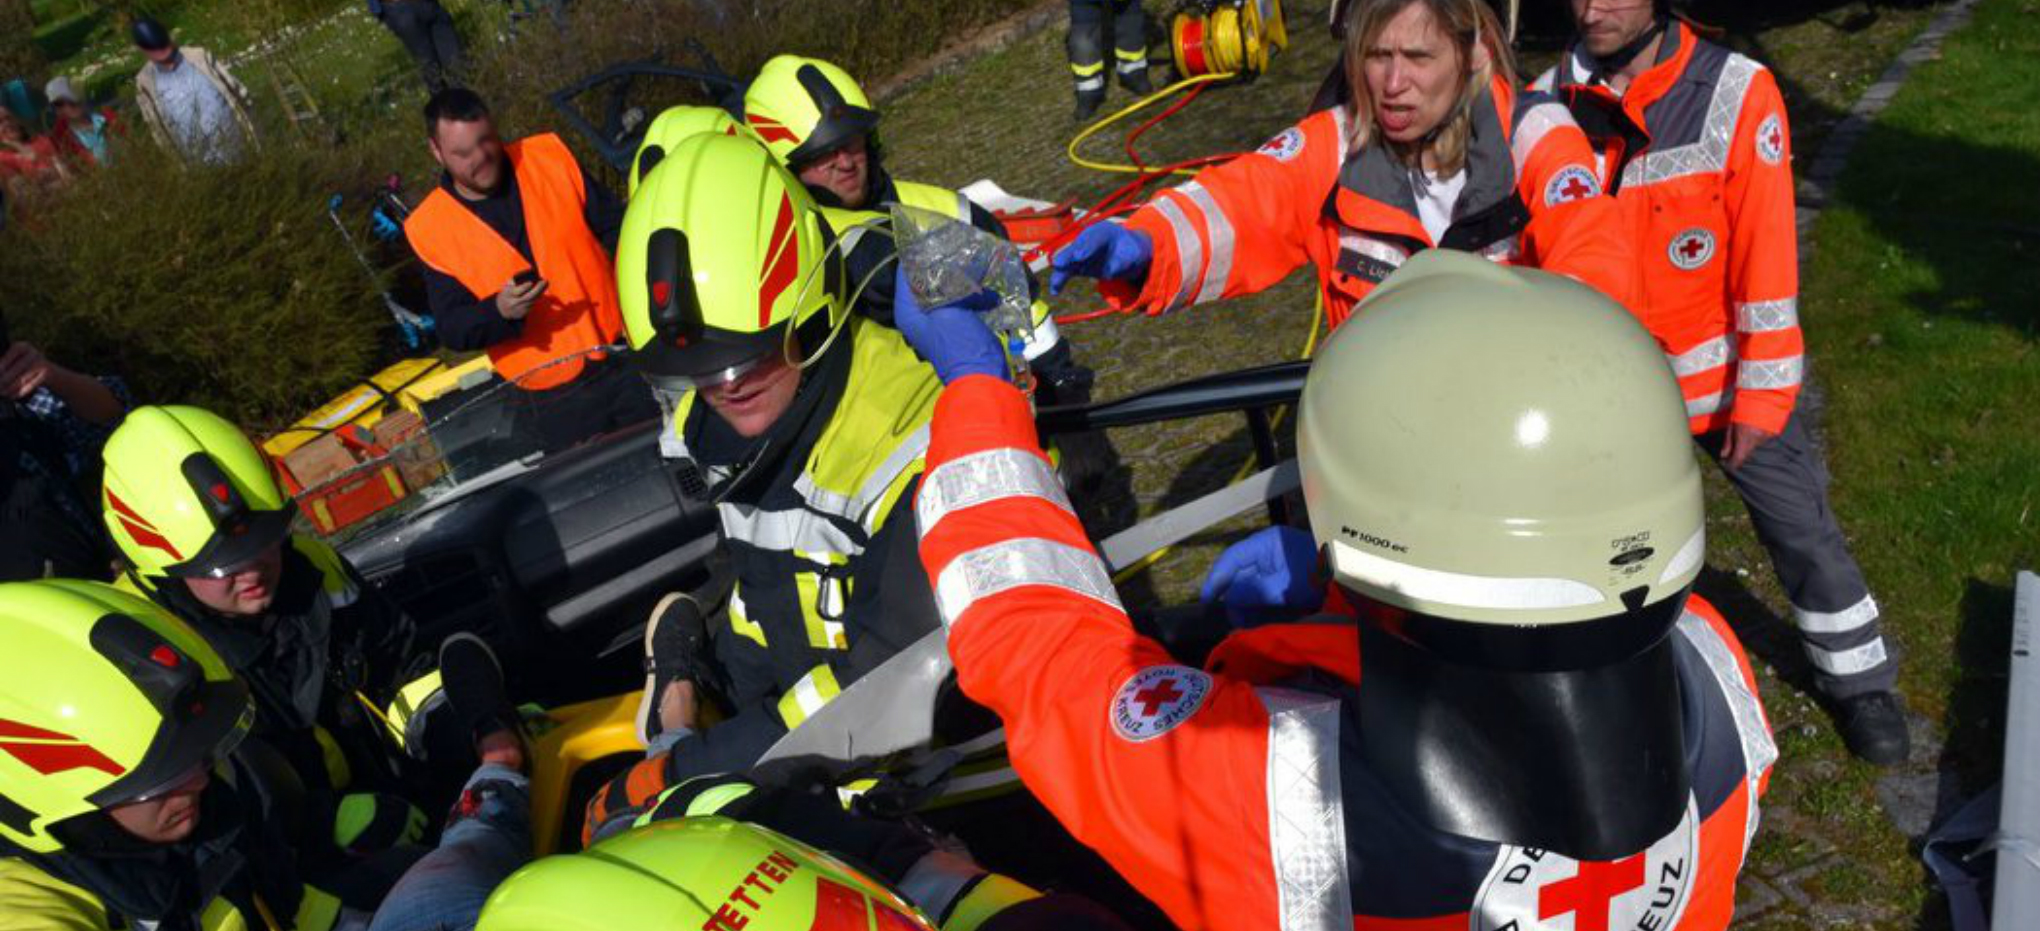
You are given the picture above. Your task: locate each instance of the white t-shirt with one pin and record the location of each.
(1436, 198)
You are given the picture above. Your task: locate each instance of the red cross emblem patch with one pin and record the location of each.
(1691, 248)
(1285, 146)
(1537, 890)
(1157, 699)
(1571, 183)
(1771, 139)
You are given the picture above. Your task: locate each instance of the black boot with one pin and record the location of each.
(1135, 80)
(1088, 102)
(1873, 726)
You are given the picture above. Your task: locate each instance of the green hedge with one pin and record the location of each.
(228, 287)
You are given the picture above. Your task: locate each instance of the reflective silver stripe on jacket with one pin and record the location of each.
(858, 507)
(1758, 748)
(1306, 814)
(798, 529)
(1701, 407)
(1189, 251)
(1759, 375)
(1767, 316)
(985, 475)
(1531, 129)
(1010, 564)
(1220, 227)
(1710, 152)
(1706, 356)
(1836, 622)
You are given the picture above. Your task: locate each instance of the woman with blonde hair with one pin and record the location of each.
(1421, 141)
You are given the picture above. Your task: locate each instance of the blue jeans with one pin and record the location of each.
(445, 890)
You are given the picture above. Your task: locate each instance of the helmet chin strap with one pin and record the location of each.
(1605, 65)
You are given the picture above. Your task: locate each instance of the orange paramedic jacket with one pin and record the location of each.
(1531, 198)
(1698, 155)
(578, 311)
(1224, 797)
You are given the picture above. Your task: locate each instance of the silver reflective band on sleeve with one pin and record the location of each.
(935, 881)
(1221, 230)
(1011, 564)
(1759, 749)
(1189, 251)
(1767, 316)
(1706, 356)
(985, 475)
(1836, 622)
(1530, 130)
(1306, 813)
(1755, 375)
(1848, 662)
(1701, 407)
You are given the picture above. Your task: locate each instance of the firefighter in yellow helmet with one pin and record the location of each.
(205, 532)
(124, 801)
(818, 121)
(722, 854)
(673, 126)
(802, 421)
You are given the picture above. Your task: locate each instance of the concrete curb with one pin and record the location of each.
(1820, 180)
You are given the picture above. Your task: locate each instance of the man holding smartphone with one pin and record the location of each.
(516, 242)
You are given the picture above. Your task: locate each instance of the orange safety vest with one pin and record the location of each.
(578, 312)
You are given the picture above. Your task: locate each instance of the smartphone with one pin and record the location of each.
(525, 277)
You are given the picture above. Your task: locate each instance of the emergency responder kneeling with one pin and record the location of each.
(803, 422)
(1532, 724)
(1696, 150)
(128, 797)
(516, 242)
(205, 531)
(1421, 142)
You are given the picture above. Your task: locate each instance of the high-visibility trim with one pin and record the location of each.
(1095, 82)
(1687, 559)
(1701, 407)
(1710, 152)
(1759, 749)
(1706, 356)
(717, 798)
(1010, 564)
(1189, 250)
(1220, 228)
(1306, 816)
(1768, 374)
(985, 901)
(936, 881)
(1836, 622)
(740, 621)
(1767, 316)
(807, 696)
(986, 475)
(1085, 71)
(1459, 589)
(858, 507)
(1380, 250)
(1851, 661)
(1128, 56)
(798, 529)
(1531, 129)
(822, 599)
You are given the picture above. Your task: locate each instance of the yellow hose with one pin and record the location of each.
(1135, 107)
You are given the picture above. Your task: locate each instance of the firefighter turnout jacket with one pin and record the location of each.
(578, 313)
(827, 585)
(1698, 155)
(1233, 796)
(1531, 198)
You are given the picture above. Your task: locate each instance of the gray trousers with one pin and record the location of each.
(1784, 484)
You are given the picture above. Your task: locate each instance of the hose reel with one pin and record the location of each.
(1217, 37)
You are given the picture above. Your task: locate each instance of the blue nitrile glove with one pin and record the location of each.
(1270, 572)
(1106, 251)
(952, 337)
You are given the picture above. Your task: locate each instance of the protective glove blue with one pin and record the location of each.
(1270, 572)
(1106, 251)
(952, 337)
